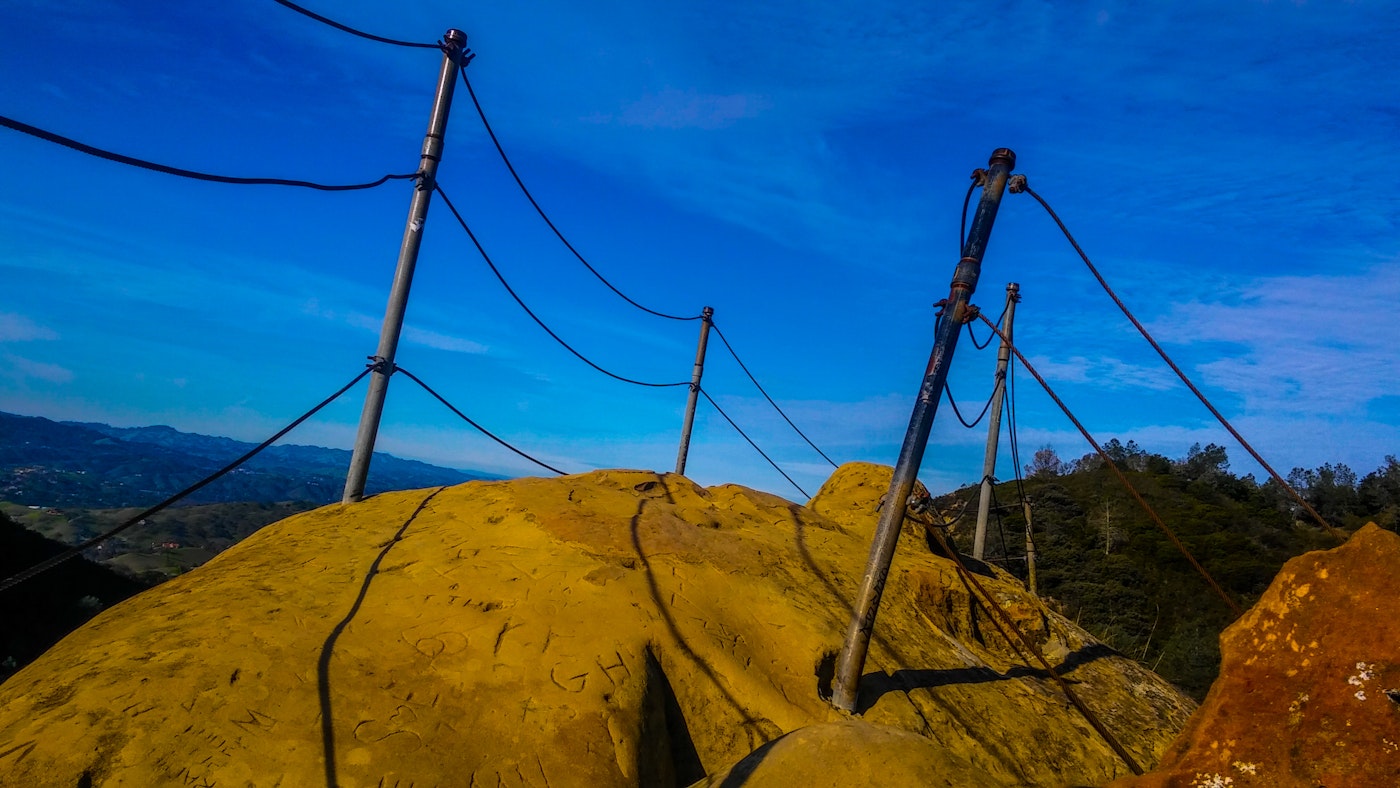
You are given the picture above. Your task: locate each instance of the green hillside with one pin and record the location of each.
(35, 615)
(170, 543)
(1109, 566)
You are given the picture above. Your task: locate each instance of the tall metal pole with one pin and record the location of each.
(955, 313)
(705, 320)
(989, 460)
(383, 358)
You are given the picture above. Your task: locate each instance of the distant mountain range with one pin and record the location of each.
(72, 464)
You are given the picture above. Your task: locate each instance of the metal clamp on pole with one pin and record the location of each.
(454, 43)
(846, 687)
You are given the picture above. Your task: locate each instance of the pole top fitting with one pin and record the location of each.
(1013, 287)
(454, 38)
(1003, 156)
(708, 312)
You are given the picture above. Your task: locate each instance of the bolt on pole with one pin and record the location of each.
(955, 313)
(706, 319)
(989, 460)
(454, 45)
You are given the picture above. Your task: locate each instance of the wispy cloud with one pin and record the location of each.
(18, 328)
(411, 333)
(1103, 372)
(1306, 345)
(21, 368)
(687, 109)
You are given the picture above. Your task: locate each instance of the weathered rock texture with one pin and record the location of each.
(840, 754)
(616, 628)
(1309, 686)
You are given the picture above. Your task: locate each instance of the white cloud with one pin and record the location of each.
(413, 334)
(1309, 345)
(433, 339)
(681, 109)
(22, 368)
(18, 328)
(1103, 372)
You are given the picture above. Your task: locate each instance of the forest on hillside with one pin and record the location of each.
(1105, 563)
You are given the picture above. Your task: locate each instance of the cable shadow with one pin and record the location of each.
(751, 722)
(323, 665)
(873, 686)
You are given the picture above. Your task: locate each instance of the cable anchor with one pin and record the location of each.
(454, 45)
(381, 365)
(979, 177)
(1017, 184)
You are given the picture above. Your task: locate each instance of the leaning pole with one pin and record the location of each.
(454, 44)
(846, 687)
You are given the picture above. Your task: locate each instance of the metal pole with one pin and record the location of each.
(705, 320)
(989, 461)
(852, 660)
(1030, 549)
(454, 43)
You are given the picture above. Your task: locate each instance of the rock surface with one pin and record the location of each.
(840, 754)
(616, 628)
(1309, 686)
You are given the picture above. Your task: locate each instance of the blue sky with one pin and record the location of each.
(798, 166)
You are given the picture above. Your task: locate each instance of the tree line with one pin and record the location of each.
(1105, 564)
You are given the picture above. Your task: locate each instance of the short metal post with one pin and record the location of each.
(989, 459)
(706, 319)
(1030, 550)
(455, 43)
(955, 312)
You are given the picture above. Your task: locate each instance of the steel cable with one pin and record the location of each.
(526, 191)
(1010, 399)
(119, 158)
(746, 437)
(983, 597)
(761, 390)
(1230, 603)
(352, 31)
(967, 200)
(44, 566)
(468, 420)
(990, 337)
(949, 392)
(1184, 379)
(448, 202)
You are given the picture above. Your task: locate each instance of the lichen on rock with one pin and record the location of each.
(1301, 696)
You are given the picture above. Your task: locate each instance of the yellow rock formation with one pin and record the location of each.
(1309, 686)
(616, 628)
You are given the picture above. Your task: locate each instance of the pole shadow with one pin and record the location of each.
(873, 686)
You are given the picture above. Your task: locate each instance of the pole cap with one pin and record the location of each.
(454, 37)
(1003, 155)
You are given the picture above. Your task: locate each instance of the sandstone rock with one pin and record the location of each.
(616, 628)
(1309, 686)
(841, 754)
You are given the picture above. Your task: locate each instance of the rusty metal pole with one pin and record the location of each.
(846, 686)
(989, 459)
(454, 43)
(1030, 550)
(706, 318)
